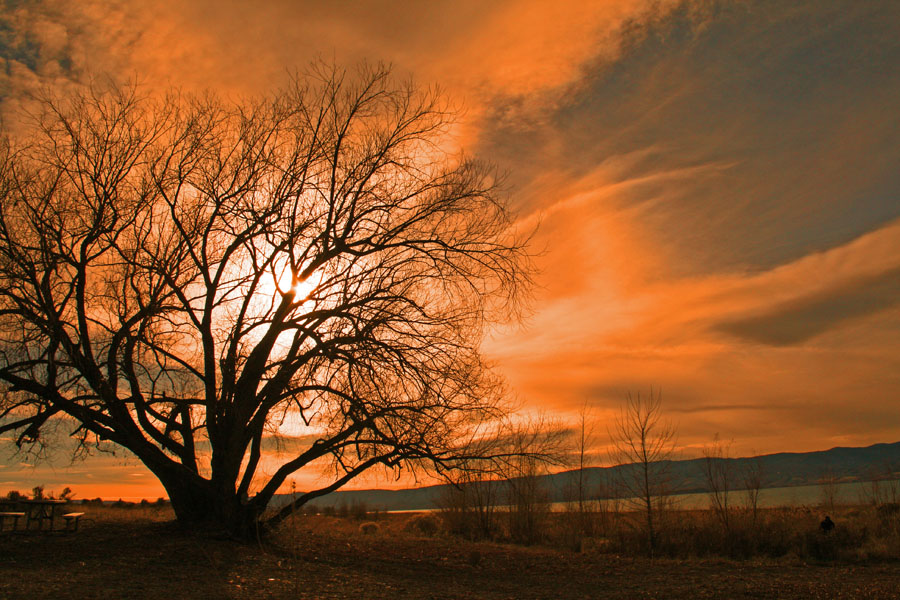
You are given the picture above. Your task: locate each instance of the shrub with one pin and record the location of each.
(369, 528)
(470, 510)
(424, 524)
(888, 512)
(475, 558)
(590, 545)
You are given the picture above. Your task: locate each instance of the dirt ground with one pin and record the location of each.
(145, 556)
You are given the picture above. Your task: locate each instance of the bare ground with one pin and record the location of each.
(329, 558)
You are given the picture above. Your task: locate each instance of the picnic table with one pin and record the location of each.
(40, 511)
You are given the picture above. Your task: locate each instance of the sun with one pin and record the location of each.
(285, 282)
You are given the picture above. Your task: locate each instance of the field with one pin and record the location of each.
(140, 553)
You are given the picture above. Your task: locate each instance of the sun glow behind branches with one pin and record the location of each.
(283, 282)
(280, 280)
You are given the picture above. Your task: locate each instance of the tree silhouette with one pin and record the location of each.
(644, 444)
(187, 277)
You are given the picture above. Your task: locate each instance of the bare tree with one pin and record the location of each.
(583, 440)
(184, 277)
(644, 444)
(752, 479)
(581, 502)
(527, 497)
(828, 485)
(469, 505)
(718, 474)
(512, 477)
(882, 487)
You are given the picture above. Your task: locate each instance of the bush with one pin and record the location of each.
(470, 509)
(369, 528)
(888, 513)
(528, 504)
(590, 545)
(424, 524)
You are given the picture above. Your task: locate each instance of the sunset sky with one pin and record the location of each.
(716, 186)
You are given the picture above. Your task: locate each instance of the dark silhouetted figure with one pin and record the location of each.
(827, 525)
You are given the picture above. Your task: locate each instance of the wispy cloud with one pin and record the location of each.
(800, 320)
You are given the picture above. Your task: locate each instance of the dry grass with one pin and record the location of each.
(140, 553)
(862, 533)
(130, 513)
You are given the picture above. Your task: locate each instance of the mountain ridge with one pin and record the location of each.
(841, 464)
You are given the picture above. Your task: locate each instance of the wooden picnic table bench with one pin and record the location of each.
(15, 516)
(72, 520)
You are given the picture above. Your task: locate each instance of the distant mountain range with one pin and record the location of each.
(785, 469)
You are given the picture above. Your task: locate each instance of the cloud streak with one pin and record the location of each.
(798, 321)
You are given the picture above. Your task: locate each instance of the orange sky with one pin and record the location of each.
(716, 185)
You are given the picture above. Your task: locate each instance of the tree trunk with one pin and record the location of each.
(200, 507)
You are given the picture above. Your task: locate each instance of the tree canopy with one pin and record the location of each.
(181, 275)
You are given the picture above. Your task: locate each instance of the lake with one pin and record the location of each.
(856, 492)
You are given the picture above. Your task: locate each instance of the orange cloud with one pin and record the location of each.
(715, 209)
(478, 51)
(748, 354)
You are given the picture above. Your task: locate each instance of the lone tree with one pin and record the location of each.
(717, 467)
(185, 277)
(644, 445)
